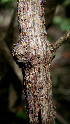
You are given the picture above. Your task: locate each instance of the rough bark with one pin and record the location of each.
(32, 53)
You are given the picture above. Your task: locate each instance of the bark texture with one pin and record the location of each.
(32, 53)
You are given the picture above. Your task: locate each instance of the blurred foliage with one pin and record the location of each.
(4, 1)
(66, 2)
(7, 3)
(64, 23)
(22, 115)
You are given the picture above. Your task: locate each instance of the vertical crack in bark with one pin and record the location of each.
(33, 50)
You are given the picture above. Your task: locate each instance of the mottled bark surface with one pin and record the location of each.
(32, 53)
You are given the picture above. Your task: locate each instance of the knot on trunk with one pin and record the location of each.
(26, 55)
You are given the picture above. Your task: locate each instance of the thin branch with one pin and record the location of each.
(60, 41)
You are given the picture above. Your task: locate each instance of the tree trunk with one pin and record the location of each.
(32, 53)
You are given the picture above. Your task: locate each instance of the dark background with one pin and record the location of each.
(12, 101)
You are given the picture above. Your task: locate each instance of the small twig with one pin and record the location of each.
(60, 41)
